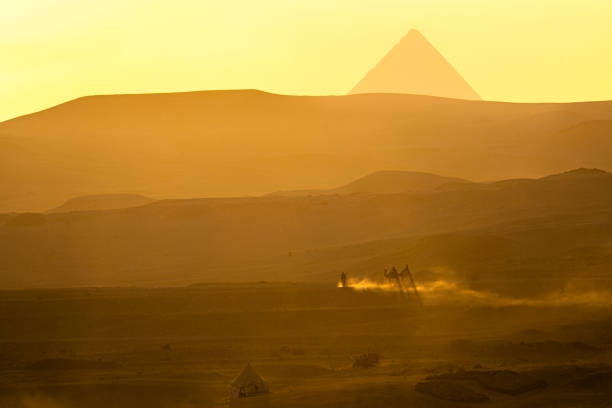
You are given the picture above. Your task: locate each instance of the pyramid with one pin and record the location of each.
(414, 66)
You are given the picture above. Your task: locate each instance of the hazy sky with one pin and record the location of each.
(512, 50)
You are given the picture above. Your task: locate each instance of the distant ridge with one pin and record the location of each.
(414, 66)
(386, 182)
(396, 181)
(236, 143)
(390, 181)
(580, 172)
(493, 229)
(102, 202)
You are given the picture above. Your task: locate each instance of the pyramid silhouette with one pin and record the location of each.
(414, 66)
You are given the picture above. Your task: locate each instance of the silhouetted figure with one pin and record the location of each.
(406, 272)
(343, 279)
(394, 276)
(397, 277)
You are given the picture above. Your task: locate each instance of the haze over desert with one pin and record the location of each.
(298, 204)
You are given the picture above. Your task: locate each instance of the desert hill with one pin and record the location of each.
(236, 143)
(398, 182)
(386, 182)
(102, 202)
(521, 225)
(414, 66)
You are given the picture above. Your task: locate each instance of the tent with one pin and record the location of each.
(248, 384)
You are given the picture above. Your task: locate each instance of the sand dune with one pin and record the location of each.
(234, 143)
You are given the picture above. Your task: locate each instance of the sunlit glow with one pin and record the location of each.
(367, 284)
(443, 291)
(521, 50)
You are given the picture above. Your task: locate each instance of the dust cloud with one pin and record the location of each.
(443, 291)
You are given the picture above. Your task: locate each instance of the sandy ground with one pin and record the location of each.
(182, 347)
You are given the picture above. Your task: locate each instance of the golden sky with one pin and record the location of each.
(511, 50)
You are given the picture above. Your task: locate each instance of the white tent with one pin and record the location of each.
(248, 383)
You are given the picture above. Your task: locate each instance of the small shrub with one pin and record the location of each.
(367, 360)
